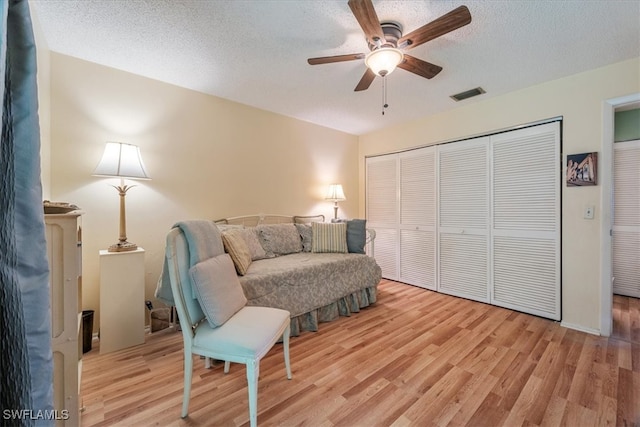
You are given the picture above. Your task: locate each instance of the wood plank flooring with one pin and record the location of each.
(415, 358)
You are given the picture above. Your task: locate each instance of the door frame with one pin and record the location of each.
(609, 107)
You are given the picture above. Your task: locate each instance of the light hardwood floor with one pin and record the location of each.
(415, 358)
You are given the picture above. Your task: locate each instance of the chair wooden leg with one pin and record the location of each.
(285, 346)
(188, 373)
(253, 371)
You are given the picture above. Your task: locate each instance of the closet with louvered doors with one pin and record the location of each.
(478, 218)
(626, 218)
(463, 217)
(525, 232)
(382, 211)
(401, 197)
(417, 228)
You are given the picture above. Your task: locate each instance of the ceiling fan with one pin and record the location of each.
(388, 45)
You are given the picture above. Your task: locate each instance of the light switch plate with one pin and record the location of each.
(589, 212)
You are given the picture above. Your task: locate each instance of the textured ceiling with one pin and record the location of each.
(254, 51)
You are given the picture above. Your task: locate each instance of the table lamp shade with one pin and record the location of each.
(121, 160)
(335, 193)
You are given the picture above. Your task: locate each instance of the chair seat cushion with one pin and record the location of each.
(248, 334)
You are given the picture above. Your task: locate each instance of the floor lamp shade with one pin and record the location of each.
(121, 160)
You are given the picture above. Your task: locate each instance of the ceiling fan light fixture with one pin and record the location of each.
(384, 60)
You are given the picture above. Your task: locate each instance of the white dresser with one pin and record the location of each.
(64, 250)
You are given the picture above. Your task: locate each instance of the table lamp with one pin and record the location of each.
(122, 161)
(335, 195)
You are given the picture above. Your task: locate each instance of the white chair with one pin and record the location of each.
(244, 338)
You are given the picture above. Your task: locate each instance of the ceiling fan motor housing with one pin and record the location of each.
(392, 32)
(388, 45)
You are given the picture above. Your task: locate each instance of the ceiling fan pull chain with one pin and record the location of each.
(384, 94)
(383, 86)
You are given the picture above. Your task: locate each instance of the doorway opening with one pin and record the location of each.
(609, 108)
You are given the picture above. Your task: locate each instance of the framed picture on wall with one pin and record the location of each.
(582, 169)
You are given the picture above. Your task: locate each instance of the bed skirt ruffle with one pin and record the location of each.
(352, 303)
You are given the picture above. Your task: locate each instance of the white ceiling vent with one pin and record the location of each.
(467, 94)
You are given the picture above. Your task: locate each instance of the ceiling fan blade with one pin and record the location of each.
(336, 58)
(368, 19)
(418, 66)
(459, 17)
(365, 81)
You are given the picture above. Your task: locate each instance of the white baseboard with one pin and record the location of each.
(580, 328)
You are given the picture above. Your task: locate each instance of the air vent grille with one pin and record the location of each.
(467, 94)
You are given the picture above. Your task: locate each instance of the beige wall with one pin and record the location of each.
(208, 158)
(579, 99)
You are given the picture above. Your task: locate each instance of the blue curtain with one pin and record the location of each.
(25, 337)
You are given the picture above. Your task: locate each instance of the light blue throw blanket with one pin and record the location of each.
(204, 241)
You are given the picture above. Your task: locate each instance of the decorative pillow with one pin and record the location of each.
(218, 289)
(327, 237)
(305, 234)
(356, 235)
(237, 248)
(280, 239)
(250, 237)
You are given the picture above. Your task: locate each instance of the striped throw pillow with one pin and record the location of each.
(327, 237)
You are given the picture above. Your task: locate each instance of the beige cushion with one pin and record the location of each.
(237, 248)
(218, 289)
(327, 237)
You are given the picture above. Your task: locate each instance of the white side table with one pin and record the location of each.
(121, 299)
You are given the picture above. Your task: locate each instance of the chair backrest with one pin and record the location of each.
(189, 311)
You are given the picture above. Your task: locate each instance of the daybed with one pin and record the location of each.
(307, 275)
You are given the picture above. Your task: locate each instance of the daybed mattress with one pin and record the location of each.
(319, 285)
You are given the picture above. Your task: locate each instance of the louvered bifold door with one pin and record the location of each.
(382, 211)
(526, 220)
(463, 233)
(418, 217)
(626, 218)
